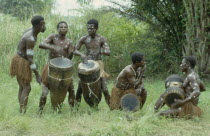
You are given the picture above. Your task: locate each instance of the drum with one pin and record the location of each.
(130, 102)
(171, 94)
(91, 85)
(174, 80)
(59, 76)
(89, 72)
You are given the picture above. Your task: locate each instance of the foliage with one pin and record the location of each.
(165, 19)
(24, 9)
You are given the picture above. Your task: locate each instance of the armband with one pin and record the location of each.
(33, 66)
(30, 52)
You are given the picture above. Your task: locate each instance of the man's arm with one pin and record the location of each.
(30, 43)
(105, 47)
(159, 104)
(195, 93)
(78, 46)
(70, 50)
(46, 43)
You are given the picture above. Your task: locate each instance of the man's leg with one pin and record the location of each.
(79, 93)
(20, 91)
(170, 112)
(143, 96)
(43, 97)
(24, 95)
(105, 90)
(71, 97)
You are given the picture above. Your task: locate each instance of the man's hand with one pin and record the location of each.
(84, 58)
(138, 91)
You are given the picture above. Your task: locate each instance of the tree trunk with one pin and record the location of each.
(197, 33)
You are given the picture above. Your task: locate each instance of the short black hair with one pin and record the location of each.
(191, 60)
(137, 57)
(172, 78)
(93, 21)
(60, 23)
(36, 20)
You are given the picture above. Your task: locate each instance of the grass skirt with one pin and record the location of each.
(190, 110)
(20, 68)
(116, 96)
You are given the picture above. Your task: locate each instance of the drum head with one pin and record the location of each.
(61, 62)
(89, 67)
(130, 102)
(171, 94)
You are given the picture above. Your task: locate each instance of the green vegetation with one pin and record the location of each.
(92, 122)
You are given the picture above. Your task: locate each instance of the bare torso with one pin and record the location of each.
(23, 43)
(93, 46)
(61, 46)
(128, 77)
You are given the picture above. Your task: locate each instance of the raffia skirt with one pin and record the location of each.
(116, 96)
(190, 110)
(20, 67)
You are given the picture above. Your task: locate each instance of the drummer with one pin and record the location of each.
(58, 45)
(192, 86)
(130, 81)
(96, 46)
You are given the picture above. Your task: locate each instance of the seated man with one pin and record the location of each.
(191, 86)
(130, 81)
(58, 45)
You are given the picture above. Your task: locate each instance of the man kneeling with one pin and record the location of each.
(191, 87)
(130, 81)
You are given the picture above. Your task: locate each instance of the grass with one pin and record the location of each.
(87, 121)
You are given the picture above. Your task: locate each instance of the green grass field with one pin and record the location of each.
(87, 121)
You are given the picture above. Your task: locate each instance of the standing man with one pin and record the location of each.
(58, 45)
(130, 81)
(96, 46)
(192, 87)
(22, 63)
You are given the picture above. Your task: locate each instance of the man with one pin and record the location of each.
(130, 81)
(58, 45)
(96, 46)
(192, 86)
(22, 63)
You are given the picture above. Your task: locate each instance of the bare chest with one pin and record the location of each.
(93, 43)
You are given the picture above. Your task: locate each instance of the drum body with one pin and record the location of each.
(89, 72)
(130, 102)
(90, 81)
(173, 93)
(60, 73)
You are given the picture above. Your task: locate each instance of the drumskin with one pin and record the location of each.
(20, 68)
(117, 94)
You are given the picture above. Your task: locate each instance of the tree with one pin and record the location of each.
(24, 9)
(198, 32)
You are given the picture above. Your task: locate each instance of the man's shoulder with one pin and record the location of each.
(84, 37)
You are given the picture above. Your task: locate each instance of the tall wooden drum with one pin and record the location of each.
(91, 85)
(60, 73)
